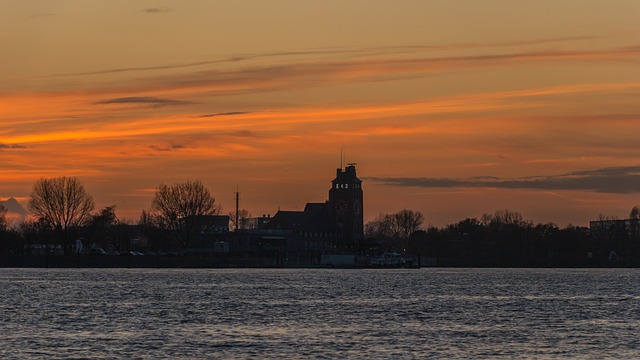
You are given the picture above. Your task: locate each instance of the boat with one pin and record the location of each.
(388, 260)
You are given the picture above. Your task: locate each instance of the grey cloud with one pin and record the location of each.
(144, 100)
(13, 206)
(11, 146)
(167, 148)
(242, 133)
(225, 114)
(619, 180)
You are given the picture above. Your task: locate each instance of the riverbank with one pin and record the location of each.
(213, 262)
(167, 262)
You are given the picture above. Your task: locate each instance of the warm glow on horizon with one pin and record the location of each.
(452, 109)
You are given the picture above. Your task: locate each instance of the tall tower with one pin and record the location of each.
(345, 207)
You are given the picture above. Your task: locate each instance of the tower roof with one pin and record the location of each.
(348, 174)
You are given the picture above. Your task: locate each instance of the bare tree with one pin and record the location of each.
(603, 217)
(407, 222)
(63, 204)
(503, 219)
(380, 227)
(485, 220)
(400, 225)
(243, 219)
(180, 209)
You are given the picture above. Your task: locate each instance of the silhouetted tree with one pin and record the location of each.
(406, 222)
(243, 215)
(634, 217)
(179, 209)
(63, 204)
(470, 236)
(3, 218)
(149, 228)
(400, 225)
(570, 245)
(378, 228)
(33, 232)
(511, 233)
(485, 219)
(146, 219)
(505, 218)
(4, 236)
(101, 228)
(603, 217)
(395, 230)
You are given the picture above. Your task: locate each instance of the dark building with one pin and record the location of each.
(333, 226)
(345, 207)
(615, 227)
(211, 230)
(213, 224)
(298, 238)
(258, 223)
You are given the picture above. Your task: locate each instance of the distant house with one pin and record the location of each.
(604, 228)
(214, 224)
(314, 228)
(212, 230)
(259, 222)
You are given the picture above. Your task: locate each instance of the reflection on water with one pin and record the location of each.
(302, 313)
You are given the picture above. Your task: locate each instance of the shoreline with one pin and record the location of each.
(177, 262)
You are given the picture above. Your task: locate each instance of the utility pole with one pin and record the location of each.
(237, 208)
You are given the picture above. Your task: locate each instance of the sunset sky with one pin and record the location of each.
(452, 108)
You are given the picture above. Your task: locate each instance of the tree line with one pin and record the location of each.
(506, 239)
(63, 211)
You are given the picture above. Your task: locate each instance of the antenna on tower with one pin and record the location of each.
(341, 158)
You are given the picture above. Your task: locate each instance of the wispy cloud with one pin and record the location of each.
(242, 133)
(396, 56)
(144, 100)
(231, 113)
(351, 66)
(224, 60)
(294, 75)
(75, 127)
(157, 10)
(619, 180)
(167, 148)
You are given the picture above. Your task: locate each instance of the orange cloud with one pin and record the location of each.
(123, 136)
(94, 126)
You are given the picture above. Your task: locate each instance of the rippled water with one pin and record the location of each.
(296, 313)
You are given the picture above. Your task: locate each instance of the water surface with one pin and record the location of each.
(319, 313)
